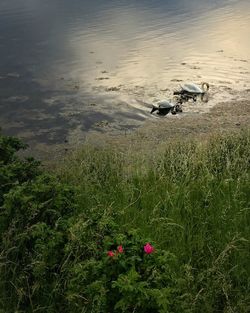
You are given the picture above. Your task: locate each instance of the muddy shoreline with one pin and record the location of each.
(225, 117)
(153, 135)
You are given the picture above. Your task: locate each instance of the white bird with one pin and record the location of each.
(191, 91)
(195, 89)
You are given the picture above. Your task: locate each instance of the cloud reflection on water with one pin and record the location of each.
(68, 52)
(147, 53)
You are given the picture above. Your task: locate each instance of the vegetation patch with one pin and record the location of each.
(108, 231)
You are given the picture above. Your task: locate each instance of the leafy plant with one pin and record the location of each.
(79, 241)
(13, 170)
(125, 278)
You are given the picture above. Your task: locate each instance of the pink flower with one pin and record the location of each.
(120, 249)
(148, 249)
(110, 253)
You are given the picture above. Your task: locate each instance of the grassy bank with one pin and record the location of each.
(190, 202)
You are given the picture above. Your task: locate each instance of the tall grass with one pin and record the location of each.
(191, 189)
(192, 199)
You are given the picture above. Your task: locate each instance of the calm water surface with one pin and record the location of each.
(68, 67)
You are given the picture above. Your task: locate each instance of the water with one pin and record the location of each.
(68, 67)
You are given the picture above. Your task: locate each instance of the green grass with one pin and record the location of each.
(192, 199)
(197, 192)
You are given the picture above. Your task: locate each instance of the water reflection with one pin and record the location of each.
(85, 62)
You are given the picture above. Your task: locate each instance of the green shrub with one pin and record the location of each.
(13, 170)
(104, 279)
(35, 209)
(35, 218)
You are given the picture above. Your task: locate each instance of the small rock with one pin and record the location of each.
(102, 78)
(113, 89)
(102, 124)
(176, 80)
(194, 67)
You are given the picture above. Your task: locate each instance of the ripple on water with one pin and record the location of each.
(120, 55)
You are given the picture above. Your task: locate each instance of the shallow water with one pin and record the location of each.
(69, 67)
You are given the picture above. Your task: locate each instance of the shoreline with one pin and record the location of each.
(224, 117)
(154, 134)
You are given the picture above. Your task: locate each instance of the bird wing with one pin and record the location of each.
(192, 88)
(165, 104)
